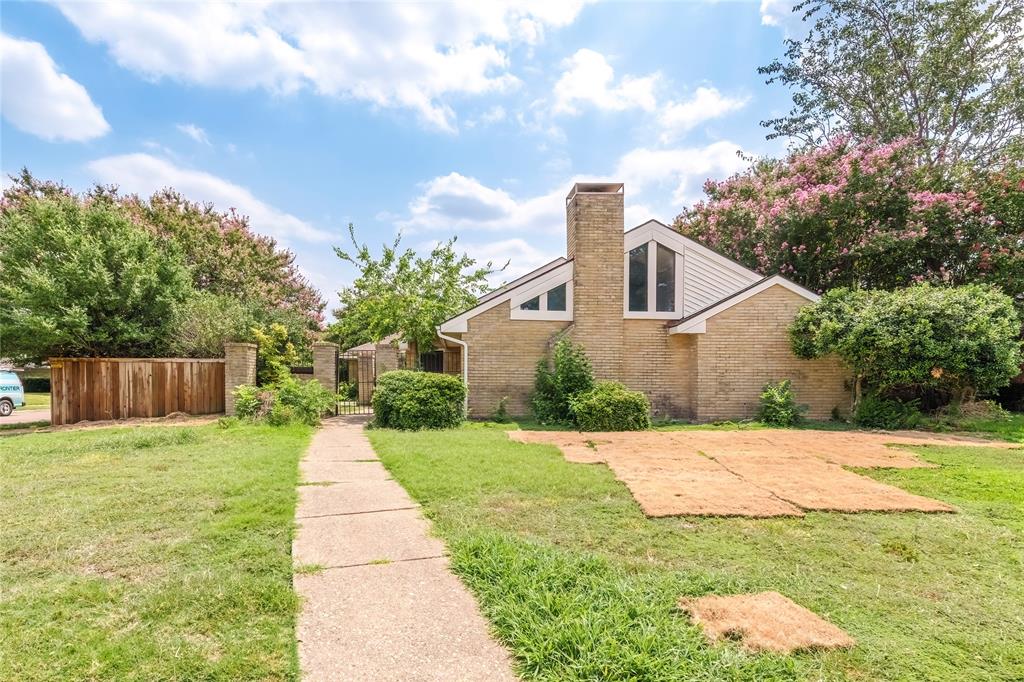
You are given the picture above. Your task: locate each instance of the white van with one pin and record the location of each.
(12, 394)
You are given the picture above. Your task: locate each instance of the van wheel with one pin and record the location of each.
(6, 407)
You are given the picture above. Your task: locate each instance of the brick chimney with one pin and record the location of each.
(594, 233)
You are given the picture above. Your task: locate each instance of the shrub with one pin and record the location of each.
(252, 403)
(36, 384)
(878, 412)
(283, 402)
(958, 340)
(500, 415)
(778, 405)
(610, 406)
(411, 400)
(569, 373)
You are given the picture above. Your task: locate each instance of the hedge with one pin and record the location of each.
(412, 400)
(610, 406)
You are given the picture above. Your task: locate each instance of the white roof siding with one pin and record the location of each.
(706, 281)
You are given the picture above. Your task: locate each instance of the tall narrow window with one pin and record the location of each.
(638, 279)
(556, 298)
(666, 285)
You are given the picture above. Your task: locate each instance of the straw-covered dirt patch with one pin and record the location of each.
(766, 621)
(773, 472)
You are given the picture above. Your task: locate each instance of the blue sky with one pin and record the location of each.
(429, 119)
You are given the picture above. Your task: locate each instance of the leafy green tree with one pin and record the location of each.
(402, 293)
(79, 278)
(204, 322)
(957, 340)
(949, 73)
(275, 354)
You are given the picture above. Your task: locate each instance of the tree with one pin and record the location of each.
(949, 73)
(79, 278)
(956, 340)
(867, 215)
(244, 279)
(403, 293)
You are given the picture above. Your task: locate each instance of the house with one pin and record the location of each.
(698, 333)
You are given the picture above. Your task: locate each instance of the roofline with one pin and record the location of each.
(509, 288)
(738, 297)
(551, 265)
(696, 243)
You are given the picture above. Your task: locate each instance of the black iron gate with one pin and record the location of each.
(357, 375)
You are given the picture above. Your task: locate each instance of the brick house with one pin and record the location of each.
(698, 333)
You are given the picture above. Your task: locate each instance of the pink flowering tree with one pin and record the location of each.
(867, 214)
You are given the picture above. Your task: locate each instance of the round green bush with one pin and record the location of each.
(610, 406)
(410, 400)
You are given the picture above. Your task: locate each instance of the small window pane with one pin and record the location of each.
(666, 286)
(532, 304)
(638, 279)
(556, 298)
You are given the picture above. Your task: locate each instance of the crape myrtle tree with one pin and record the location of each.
(948, 73)
(235, 279)
(78, 277)
(401, 292)
(867, 214)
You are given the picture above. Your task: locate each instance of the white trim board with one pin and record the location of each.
(697, 324)
(460, 323)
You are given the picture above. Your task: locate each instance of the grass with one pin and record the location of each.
(581, 586)
(157, 553)
(35, 401)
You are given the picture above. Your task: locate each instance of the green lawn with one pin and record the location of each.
(581, 586)
(148, 553)
(36, 400)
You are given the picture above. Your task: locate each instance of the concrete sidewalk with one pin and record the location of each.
(385, 607)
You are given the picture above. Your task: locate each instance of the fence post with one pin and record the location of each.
(239, 369)
(325, 365)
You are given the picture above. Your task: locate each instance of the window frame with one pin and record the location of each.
(540, 289)
(652, 312)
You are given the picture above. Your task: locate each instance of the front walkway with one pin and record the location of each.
(384, 606)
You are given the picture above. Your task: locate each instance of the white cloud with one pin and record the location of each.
(144, 174)
(520, 256)
(456, 203)
(588, 78)
(682, 169)
(706, 103)
(195, 132)
(38, 99)
(780, 13)
(409, 55)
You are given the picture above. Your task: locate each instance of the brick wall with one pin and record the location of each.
(325, 364)
(239, 369)
(594, 228)
(664, 367)
(748, 345)
(386, 358)
(503, 357)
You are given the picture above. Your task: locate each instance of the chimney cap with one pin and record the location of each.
(593, 188)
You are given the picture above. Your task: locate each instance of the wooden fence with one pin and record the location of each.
(96, 389)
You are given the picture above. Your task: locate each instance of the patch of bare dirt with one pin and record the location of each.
(771, 472)
(766, 621)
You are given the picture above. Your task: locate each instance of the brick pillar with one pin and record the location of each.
(387, 358)
(594, 230)
(239, 369)
(325, 365)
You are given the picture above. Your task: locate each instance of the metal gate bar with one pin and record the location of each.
(357, 376)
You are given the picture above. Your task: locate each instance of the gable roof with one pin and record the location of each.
(696, 322)
(554, 270)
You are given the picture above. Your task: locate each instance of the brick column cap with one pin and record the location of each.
(239, 344)
(326, 344)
